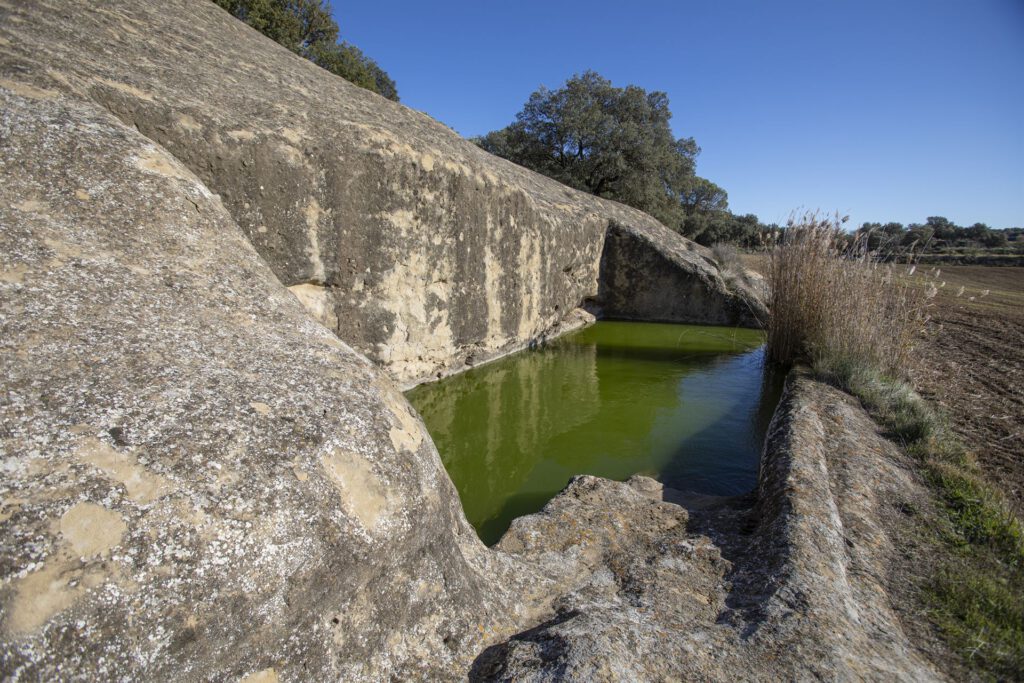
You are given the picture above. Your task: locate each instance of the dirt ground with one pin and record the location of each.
(974, 368)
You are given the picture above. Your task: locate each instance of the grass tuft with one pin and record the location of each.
(841, 304)
(973, 610)
(728, 257)
(979, 514)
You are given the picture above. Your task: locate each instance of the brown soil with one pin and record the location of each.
(974, 368)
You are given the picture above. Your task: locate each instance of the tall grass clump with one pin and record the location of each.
(835, 304)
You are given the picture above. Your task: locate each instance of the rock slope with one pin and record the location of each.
(417, 248)
(199, 481)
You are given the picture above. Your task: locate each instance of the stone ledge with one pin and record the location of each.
(785, 584)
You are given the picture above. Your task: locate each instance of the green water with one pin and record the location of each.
(686, 404)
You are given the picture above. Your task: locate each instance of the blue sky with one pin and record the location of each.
(892, 110)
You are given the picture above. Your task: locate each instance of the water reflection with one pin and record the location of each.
(687, 404)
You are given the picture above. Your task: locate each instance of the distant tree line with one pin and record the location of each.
(939, 235)
(307, 28)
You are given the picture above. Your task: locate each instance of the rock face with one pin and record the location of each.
(201, 481)
(646, 275)
(417, 248)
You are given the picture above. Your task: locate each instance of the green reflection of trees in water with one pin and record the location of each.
(612, 400)
(491, 425)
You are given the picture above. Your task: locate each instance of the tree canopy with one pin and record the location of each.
(612, 142)
(307, 28)
(617, 143)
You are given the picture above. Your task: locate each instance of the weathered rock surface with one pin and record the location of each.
(415, 246)
(787, 585)
(201, 482)
(645, 275)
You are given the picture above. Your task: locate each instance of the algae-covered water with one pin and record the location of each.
(686, 404)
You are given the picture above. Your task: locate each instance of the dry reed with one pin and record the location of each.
(856, 319)
(833, 302)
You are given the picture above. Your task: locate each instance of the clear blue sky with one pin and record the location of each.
(883, 110)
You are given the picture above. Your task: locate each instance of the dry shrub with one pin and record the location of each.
(834, 303)
(728, 257)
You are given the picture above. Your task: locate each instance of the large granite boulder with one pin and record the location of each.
(416, 247)
(200, 481)
(649, 275)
